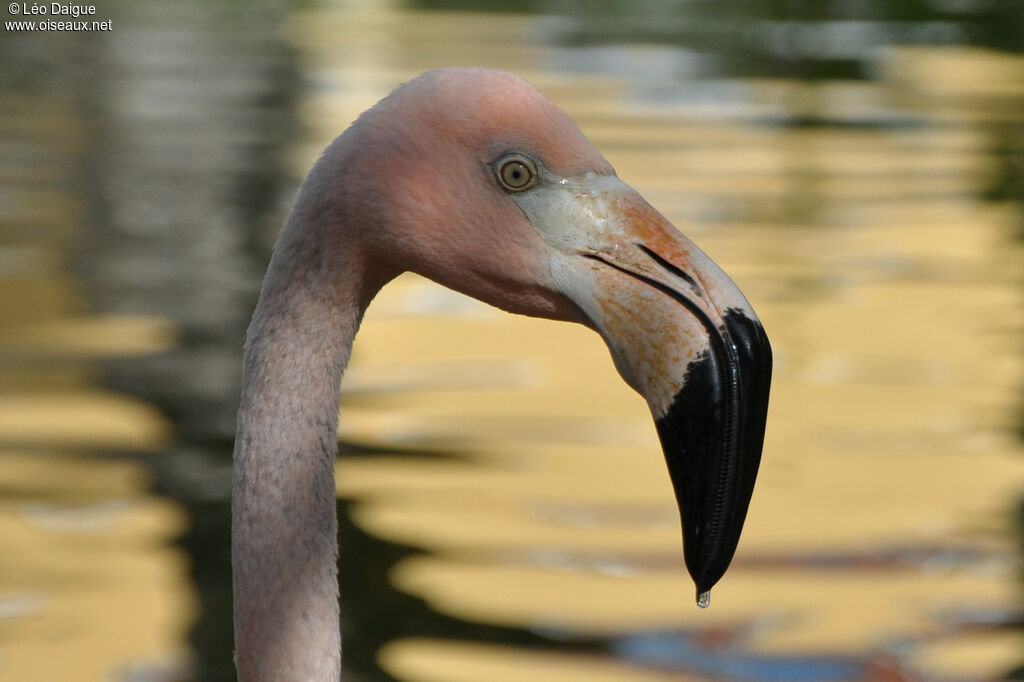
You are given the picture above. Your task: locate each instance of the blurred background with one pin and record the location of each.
(857, 166)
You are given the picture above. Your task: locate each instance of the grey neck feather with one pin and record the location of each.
(284, 525)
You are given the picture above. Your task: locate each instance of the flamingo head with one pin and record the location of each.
(490, 189)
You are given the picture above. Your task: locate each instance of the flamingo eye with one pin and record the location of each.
(516, 172)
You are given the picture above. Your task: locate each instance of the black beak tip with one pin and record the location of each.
(712, 436)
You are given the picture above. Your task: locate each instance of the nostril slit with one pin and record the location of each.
(671, 268)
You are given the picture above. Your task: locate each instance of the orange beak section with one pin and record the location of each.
(683, 336)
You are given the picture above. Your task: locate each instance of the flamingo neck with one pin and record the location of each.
(284, 519)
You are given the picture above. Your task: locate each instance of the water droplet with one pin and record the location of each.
(704, 599)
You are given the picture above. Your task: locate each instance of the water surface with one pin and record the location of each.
(506, 513)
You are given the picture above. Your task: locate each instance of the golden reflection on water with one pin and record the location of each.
(89, 584)
(890, 291)
(431, 659)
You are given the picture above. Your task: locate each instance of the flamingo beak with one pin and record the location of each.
(682, 334)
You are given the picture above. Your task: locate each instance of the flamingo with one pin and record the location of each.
(474, 179)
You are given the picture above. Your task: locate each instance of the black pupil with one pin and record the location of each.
(516, 174)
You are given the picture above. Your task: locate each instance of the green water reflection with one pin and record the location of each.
(856, 166)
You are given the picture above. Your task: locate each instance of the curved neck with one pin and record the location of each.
(284, 525)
